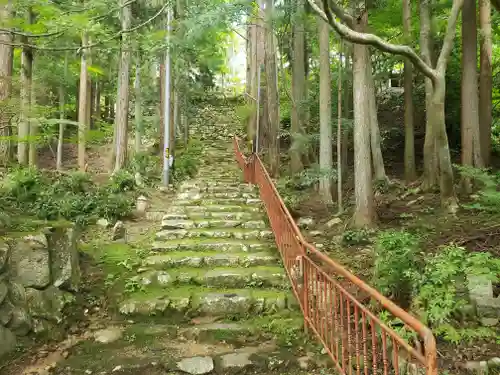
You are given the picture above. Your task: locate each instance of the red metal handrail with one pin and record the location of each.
(349, 327)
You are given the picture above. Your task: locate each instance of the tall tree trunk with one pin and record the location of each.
(340, 133)
(325, 114)
(25, 112)
(62, 103)
(410, 168)
(431, 165)
(272, 93)
(138, 104)
(82, 103)
(6, 55)
(471, 155)
(123, 89)
(97, 103)
(298, 86)
(253, 67)
(364, 214)
(378, 160)
(161, 128)
(485, 80)
(33, 144)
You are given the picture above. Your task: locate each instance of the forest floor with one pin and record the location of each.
(399, 206)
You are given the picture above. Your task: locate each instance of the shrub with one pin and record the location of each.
(72, 196)
(395, 259)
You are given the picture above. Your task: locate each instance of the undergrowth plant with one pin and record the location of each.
(488, 196)
(433, 286)
(73, 196)
(395, 258)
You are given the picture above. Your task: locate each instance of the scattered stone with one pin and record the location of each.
(305, 222)
(6, 310)
(142, 205)
(490, 322)
(103, 223)
(65, 354)
(64, 257)
(3, 291)
(494, 363)
(315, 233)
(20, 322)
(479, 287)
(88, 372)
(108, 335)
(333, 222)
(235, 360)
(138, 179)
(304, 362)
(117, 368)
(30, 263)
(4, 254)
(119, 231)
(8, 341)
(488, 309)
(196, 365)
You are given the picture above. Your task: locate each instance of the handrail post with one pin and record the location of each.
(305, 292)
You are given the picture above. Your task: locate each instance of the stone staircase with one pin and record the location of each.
(214, 254)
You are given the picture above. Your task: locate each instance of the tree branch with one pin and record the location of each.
(341, 13)
(449, 37)
(377, 42)
(30, 35)
(79, 48)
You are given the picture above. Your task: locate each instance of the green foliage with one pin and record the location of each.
(27, 192)
(357, 237)
(436, 284)
(395, 255)
(187, 161)
(438, 288)
(488, 198)
(149, 166)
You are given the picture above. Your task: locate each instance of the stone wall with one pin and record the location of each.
(38, 273)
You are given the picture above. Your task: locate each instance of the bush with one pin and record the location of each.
(395, 259)
(73, 196)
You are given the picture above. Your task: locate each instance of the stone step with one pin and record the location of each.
(199, 301)
(198, 194)
(253, 329)
(218, 202)
(250, 277)
(210, 259)
(216, 208)
(236, 233)
(216, 215)
(212, 223)
(215, 185)
(213, 244)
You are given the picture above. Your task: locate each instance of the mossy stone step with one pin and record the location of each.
(217, 201)
(225, 215)
(198, 301)
(212, 223)
(215, 208)
(254, 329)
(210, 259)
(261, 276)
(236, 233)
(217, 215)
(198, 194)
(212, 244)
(218, 186)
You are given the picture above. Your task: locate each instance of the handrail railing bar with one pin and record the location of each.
(372, 316)
(257, 174)
(388, 304)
